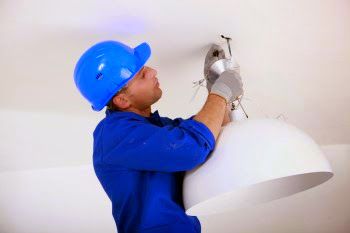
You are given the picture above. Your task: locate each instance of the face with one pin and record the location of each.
(142, 91)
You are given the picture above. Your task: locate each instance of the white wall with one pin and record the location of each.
(34, 140)
(66, 199)
(70, 200)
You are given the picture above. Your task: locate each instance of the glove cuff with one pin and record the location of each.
(222, 90)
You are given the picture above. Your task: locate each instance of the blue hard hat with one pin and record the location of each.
(105, 68)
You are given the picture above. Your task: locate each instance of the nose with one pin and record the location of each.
(151, 73)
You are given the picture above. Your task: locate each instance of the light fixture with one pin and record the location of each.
(254, 160)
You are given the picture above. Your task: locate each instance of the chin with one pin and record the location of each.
(158, 96)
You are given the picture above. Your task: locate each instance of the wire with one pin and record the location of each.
(198, 83)
(234, 107)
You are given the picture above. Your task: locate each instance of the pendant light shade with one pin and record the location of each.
(254, 161)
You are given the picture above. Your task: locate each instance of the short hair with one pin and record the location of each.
(110, 105)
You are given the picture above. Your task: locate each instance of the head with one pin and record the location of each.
(139, 93)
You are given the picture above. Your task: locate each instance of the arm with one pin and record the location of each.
(212, 113)
(227, 117)
(144, 146)
(228, 86)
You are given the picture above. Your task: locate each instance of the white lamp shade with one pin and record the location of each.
(254, 161)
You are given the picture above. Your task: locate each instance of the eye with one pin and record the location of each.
(143, 73)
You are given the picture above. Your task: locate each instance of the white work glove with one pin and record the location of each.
(229, 85)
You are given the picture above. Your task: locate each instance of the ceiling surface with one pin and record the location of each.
(294, 58)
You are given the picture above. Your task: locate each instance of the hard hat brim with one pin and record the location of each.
(143, 51)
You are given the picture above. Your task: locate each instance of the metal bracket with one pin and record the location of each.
(228, 44)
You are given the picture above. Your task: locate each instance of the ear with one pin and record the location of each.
(121, 101)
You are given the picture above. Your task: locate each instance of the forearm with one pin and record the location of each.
(212, 113)
(227, 118)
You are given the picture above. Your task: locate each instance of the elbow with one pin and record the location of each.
(201, 156)
(205, 154)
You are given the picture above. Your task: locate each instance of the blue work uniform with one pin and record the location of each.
(140, 163)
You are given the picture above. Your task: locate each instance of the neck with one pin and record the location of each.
(144, 112)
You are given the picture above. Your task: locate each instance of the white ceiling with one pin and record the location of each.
(294, 55)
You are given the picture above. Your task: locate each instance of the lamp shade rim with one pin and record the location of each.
(259, 192)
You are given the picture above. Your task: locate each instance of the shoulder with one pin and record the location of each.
(175, 121)
(114, 129)
(117, 123)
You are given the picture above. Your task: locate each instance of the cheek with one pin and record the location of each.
(146, 91)
(148, 86)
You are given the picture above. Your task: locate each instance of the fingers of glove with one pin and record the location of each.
(230, 77)
(232, 73)
(212, 78)
(221, 89)
(233, 81)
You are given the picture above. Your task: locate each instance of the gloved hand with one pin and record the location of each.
(229, 85)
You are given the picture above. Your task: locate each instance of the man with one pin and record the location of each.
(140, 157)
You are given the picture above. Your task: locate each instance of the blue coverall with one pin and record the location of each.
(140, 163)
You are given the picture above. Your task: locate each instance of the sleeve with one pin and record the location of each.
(170, 148)
(176, 121)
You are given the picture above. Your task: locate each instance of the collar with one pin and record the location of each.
(155, 115)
